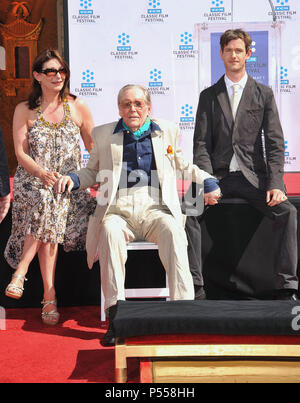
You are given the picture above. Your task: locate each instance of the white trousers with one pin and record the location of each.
(136, 214)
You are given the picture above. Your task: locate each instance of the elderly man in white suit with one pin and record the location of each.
(135, 161)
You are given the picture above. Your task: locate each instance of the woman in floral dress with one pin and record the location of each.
(46, 130)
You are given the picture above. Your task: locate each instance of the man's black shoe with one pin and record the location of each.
(109, 339)
(286, 295)
(199, 292)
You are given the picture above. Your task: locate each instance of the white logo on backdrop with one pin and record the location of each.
(154, 12)
(217, 11)
(124, 49)
(185, 47)
(284, 9)
(88, 84)
(86, 13)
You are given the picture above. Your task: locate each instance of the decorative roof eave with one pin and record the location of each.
(21, 29)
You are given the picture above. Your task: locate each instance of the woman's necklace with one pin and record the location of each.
(53, 114)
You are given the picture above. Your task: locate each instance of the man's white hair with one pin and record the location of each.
(132, 86)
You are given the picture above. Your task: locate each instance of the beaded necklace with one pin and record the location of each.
(63, 122)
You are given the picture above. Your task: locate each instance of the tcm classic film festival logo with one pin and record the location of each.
(85, 156)
(186, 48)
(155, 84)
(284, 9)
(88, 86)
(286, 86)
(187, 118)
(154, 12)
(124, 49)
(218, 11)
(86, 13)
(290, 159)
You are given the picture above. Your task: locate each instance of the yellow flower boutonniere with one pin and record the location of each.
(170, 151)
(170, 155)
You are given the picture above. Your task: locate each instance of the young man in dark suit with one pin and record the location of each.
(4, 181)
(228, 143)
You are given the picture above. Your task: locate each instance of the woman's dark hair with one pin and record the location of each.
(36, 91)
(232, 34)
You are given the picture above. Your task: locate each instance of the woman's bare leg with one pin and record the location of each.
(47, 258)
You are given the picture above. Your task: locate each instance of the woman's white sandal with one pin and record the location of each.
(52, 317)
(13, 290)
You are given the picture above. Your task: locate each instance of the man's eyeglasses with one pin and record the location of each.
(139, 105)
(53, 72)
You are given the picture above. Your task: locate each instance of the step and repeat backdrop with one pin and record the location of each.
(172, 48)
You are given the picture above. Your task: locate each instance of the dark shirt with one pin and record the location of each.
(138, 168)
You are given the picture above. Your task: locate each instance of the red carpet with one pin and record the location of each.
(70, 352)
(292, 182)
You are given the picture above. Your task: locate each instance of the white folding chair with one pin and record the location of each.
(140, 292)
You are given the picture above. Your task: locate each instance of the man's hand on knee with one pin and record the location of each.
(274, 197)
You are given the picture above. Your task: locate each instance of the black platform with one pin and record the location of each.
(205, 317)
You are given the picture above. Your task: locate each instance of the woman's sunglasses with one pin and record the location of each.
(53, 72)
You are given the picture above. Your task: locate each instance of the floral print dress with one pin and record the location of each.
(40, 211)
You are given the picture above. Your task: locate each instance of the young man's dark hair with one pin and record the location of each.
(232, 34)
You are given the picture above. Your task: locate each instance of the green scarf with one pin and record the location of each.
(141, 130)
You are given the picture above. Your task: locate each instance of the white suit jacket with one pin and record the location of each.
(105, 164)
